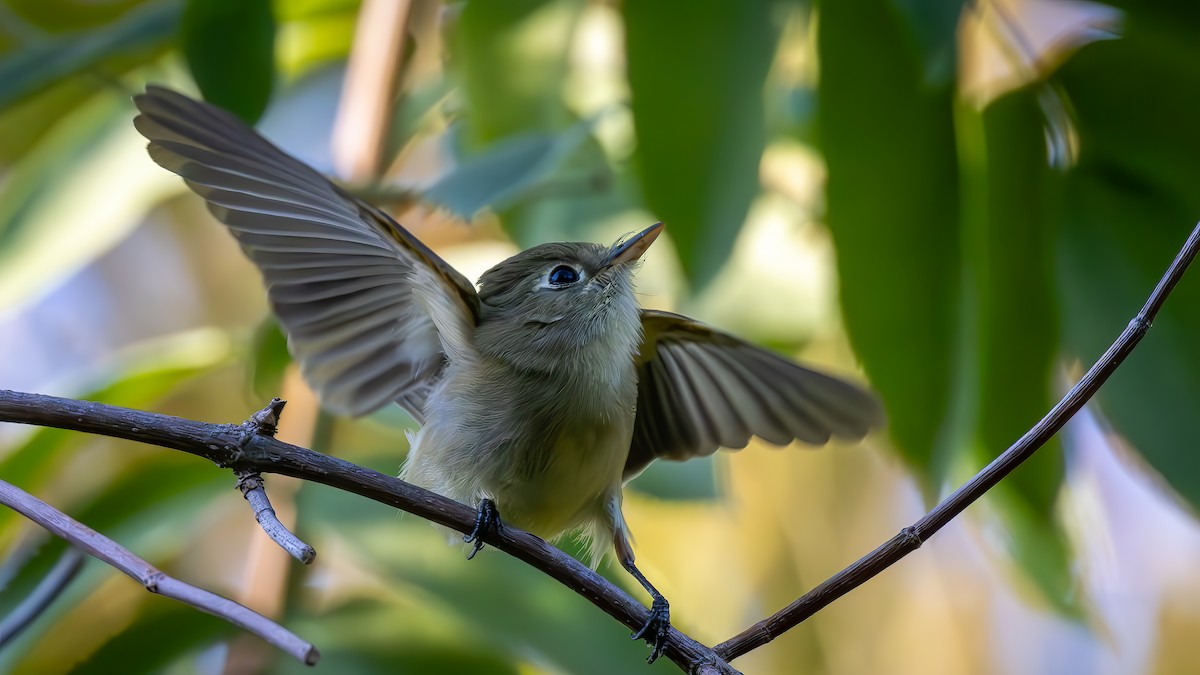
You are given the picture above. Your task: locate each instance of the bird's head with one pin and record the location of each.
(553, 301)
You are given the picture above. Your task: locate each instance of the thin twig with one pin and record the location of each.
(910, 538)
(152, 579)
(46, 592)
(235, 446)
(252, 487)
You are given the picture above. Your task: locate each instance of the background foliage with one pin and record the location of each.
(968, 200)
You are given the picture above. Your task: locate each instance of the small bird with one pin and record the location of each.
(541, 393)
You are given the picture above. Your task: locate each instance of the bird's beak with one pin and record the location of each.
(631, 249)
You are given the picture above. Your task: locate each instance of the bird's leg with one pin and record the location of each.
(487, 521)
(659, 624)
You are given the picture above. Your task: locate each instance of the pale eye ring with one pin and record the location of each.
(563, 275)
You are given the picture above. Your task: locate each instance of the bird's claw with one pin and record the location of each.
(487, 521)
(657, 627)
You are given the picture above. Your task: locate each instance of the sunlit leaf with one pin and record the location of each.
(97, 158)
(893, 208)
(696, 82)
(230, 49)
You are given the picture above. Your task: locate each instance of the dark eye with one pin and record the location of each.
(563, 275)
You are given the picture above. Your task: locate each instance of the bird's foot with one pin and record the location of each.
(487, 521)
(656, 629)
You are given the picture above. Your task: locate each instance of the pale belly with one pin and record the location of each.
(583, 471)
(545, 479)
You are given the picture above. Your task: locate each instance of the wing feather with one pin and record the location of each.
(700, 390)
(371, 313)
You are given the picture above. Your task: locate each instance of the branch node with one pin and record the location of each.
(152, 580)
(911, 537)
(1140, 324)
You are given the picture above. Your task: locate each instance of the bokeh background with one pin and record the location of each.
(961, 203)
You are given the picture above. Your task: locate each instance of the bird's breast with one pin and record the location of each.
(547, 448)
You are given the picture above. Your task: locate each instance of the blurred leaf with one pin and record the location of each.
(893, 209)
(164, 633)
(932, 28)
(230, 49)
(506, 171)
(49, 60)
(37, 115)
(692, 480)
(94, 156)
(1128, 207)
(371, 637)
(696, 81)
(512, 57)
(270, 358)
(141, 376)
(313, 33)
(420, 105)
(474, 600)
(1011, 250)
(70, 15)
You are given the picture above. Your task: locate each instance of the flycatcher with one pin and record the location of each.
(541, 393)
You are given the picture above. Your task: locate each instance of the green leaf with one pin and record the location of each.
(1013, 264)
(230, 49)
(140, 33)
(1128, 207)
(1009, 190)
(696, 80)
(893, 209)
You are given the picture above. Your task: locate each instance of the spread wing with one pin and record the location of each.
(370, 312)
(700, 389)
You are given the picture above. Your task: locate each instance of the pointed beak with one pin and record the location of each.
(633, 248)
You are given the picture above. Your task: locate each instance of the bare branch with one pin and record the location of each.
(46, 592)
(152, 579)
(249, 448)
(243, 448)
(910, 538)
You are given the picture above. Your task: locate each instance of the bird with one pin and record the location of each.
(540, 392)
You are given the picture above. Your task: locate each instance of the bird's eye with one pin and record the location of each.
(563, 275)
